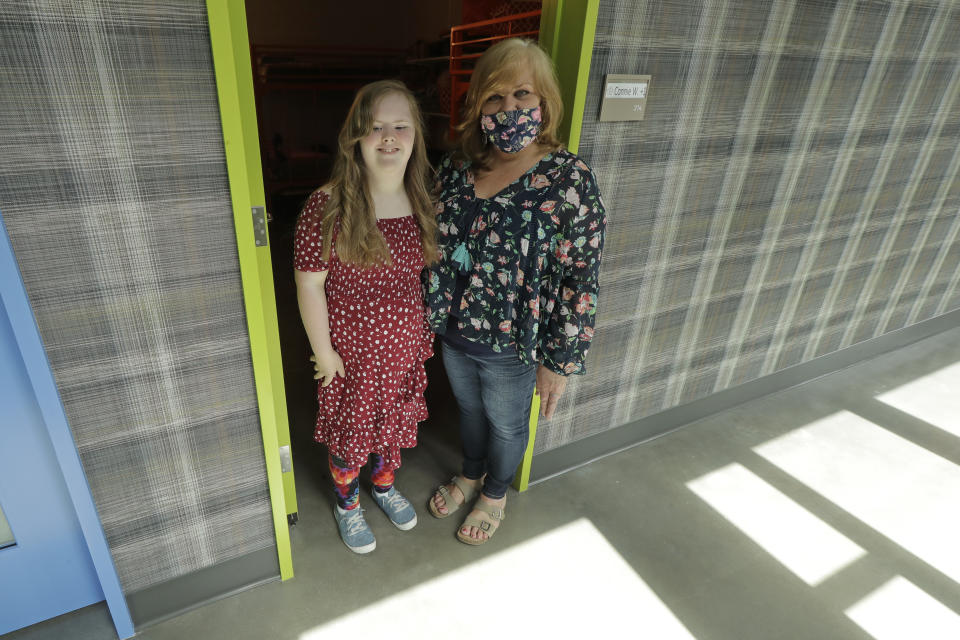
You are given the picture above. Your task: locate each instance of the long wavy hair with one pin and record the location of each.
(500, 64)
(350, 211)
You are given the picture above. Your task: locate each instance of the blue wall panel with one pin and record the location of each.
(49, 571)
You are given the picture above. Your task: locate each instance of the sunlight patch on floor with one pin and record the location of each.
(799, 540)
(899, 610)
(567, 583)
(905, 492)
(934, 398)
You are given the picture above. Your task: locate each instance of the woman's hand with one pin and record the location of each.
(550, 387)
(326, 366)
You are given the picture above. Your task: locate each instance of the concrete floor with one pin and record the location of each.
(827, 511)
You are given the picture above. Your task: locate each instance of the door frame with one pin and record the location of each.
(34, 356)
(230, 47)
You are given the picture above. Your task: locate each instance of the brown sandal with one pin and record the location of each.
(469, 493)
(488, 521)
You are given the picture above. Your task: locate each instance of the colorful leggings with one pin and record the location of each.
(346, 479)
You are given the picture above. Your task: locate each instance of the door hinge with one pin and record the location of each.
(286, 461)
(260, 226)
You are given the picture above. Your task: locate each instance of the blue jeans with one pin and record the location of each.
(493, 394)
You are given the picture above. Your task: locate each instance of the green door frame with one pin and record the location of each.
(571, 29)
(231, 60)
(567, 30)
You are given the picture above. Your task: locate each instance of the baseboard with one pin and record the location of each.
(167, 599)
(576, 454)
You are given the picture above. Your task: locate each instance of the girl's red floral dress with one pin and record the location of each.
(378, 327)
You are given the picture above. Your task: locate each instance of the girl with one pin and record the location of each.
(361, 244)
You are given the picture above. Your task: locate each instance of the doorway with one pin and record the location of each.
(307, 62)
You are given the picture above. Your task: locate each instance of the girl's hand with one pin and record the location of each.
(327, 366)
(550, 387)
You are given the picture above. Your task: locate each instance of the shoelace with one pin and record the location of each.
(355, 522)
(394, 500)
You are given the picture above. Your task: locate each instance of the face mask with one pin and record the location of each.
(512, 131)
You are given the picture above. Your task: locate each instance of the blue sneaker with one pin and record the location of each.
(354, 531)
(397, 508)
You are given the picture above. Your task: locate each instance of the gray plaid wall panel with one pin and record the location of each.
(793, 190)
(113, 186)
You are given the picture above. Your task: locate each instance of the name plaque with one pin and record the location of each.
(624, 97)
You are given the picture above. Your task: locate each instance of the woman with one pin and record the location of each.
(361, 245)
(514, 294)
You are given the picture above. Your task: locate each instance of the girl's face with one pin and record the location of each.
(389, 144)
(518, 93)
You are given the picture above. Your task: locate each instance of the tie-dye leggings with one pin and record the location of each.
(346, 479)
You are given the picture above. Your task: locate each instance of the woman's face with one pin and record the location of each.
(389, 144)
(517, 93)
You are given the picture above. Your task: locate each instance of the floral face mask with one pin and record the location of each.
(512, 131)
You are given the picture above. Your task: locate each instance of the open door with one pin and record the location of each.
(124, 193)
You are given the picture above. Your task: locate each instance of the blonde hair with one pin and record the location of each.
(498, 65)
(350, 211)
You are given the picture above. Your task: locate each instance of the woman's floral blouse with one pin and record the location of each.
(535, 248)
